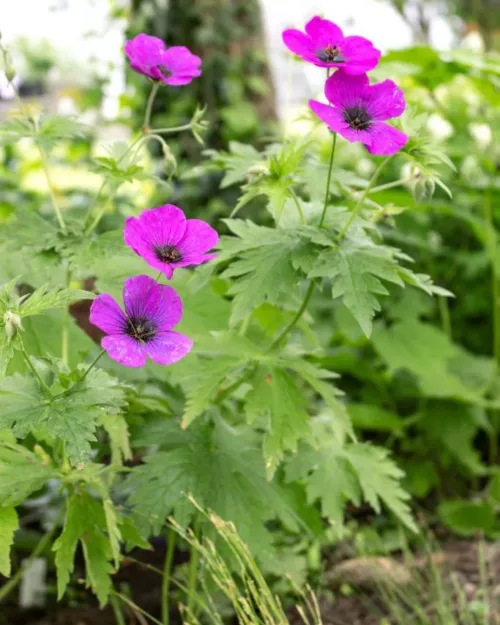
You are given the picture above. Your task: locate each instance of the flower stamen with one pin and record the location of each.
(357, 118)
(140, 329)
(331, 54)
(168, 254)
(164, 70)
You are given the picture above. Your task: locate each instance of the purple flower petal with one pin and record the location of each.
(386, 100)
(125, 350)
(168, 312)
(198, 238)
(386, 139)
(144, 53)
(163, 225)
(323, 32)
(344, 90)
(360, 55)
(141, 296)
(180, 60)
(297, 42)
(169, 347)
(106, 314)
(331, 115)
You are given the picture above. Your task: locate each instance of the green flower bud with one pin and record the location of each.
(12, 323)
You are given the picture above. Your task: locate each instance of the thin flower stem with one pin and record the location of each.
(27, 358)
(444, 313)
(50, 185)
(168, 131)
(115, 604)
(328, 180)
(40, 548)
(295, 320)
(299, 207)
(65, 325)
(495, 291)
(92, 365)
(167, 576)
(136, 608)
(149, 106)
(105, 204)
(363, 197)
(390, 185)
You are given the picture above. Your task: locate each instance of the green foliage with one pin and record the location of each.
(21, 474)
(468, 517)
(86, 523)
(336, 473)
(66, 412)
(9, 524)
(219, 465)
(46, 131)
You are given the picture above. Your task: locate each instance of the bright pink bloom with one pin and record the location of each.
(324, 44)
(166, 239)
(145, 328)
(358, 111)
(174, 66)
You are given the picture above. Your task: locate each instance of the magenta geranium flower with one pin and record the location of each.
(358, 111)
(174, 66)
(145, 328)
(166, 239)
(324, 44)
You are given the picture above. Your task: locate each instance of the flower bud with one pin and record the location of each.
(424, 189)
(12, 323)
(10, 72)
(169, 157)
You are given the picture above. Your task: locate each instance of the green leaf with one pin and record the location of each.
(202, 373)
(441, 368)
(131, 535)
(11, 130)
(375, 418)
(21, 474)
(452, 427)
(329, 478)
(356, 270)
(53, 129)
(467, 517)
(379, 479)
(276, 396)
(117, 429)
(85, 523)
(234, 163)
(44, 298)
(69, 416)
(268, 267)
(221, 466)
(336, 474)
(9, 524)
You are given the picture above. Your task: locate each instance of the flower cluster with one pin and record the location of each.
(165, 239)
(357, 110)
(162, 236)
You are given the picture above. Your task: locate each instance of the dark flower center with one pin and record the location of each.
(168, 254)
(164, 70)
(357, 118)
(331, 54)
(140, 329)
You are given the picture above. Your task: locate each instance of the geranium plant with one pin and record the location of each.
(211, 372)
